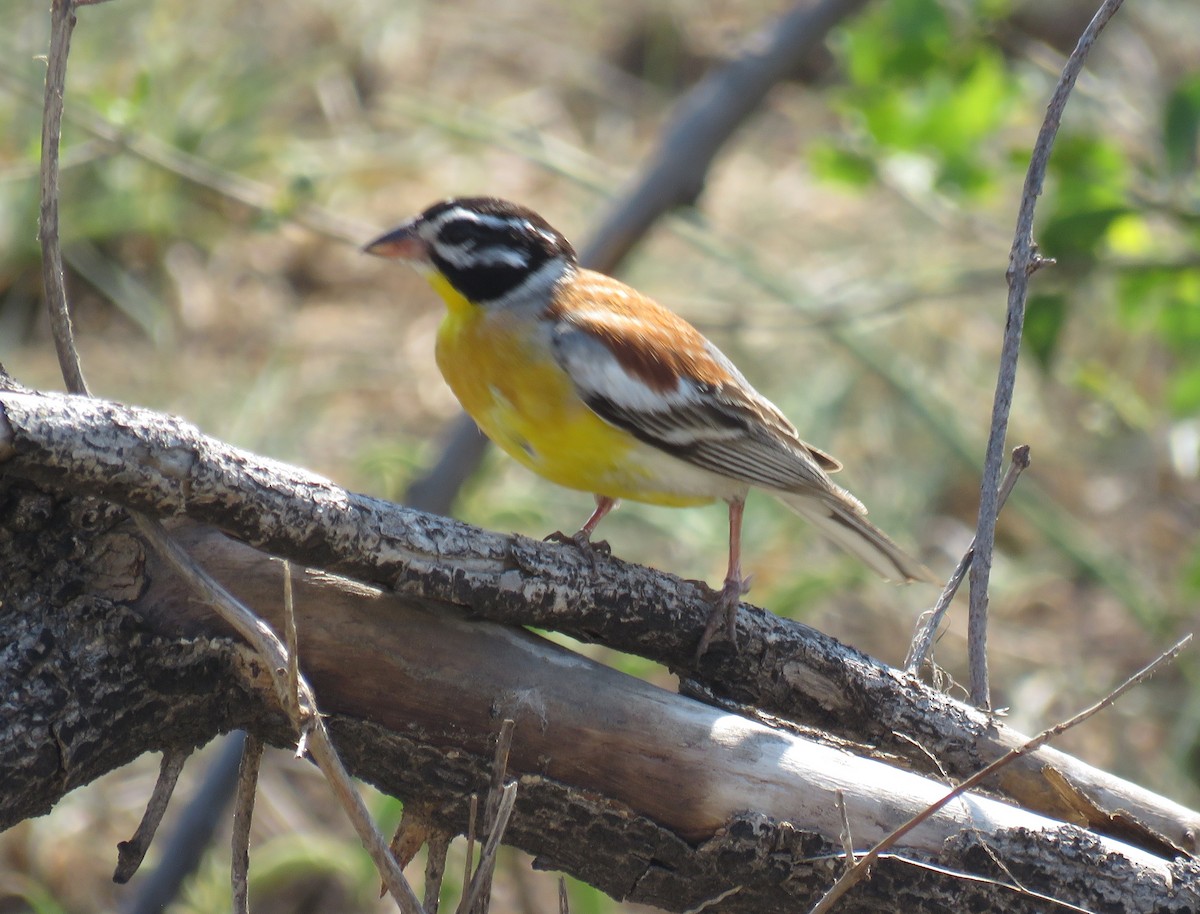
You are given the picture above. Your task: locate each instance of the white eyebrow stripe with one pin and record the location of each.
(491, 221)
(469, 255)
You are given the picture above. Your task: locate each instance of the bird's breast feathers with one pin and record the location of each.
(501, 366)
(605, 390)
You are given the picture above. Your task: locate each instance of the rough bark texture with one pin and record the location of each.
(166, 467)
(98, 663)
(84, 686)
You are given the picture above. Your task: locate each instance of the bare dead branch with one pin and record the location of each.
(416, 708)
(927, 626)
(414, 829)
(243, 816)
(1023, 262)
(131, 853)
(860, 869)
(782, 668)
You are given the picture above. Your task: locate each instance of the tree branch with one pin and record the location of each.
(166, 467)
(638, 791)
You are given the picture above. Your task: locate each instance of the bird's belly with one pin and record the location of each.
(527, 405)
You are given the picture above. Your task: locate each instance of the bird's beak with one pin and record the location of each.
(402, 243)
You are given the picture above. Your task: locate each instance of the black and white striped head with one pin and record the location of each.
(486, 248)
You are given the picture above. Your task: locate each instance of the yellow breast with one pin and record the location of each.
(507, 379)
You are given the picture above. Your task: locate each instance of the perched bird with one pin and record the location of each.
(596, 387)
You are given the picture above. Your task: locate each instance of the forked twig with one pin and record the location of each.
(494, 823)
(922, 642)
(854, 875)
(482, 880)
(1023, 262)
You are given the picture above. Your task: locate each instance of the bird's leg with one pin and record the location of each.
(726, 600)
(583, 538)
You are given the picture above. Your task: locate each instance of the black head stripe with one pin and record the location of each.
(487, 247)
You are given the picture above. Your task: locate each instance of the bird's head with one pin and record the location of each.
(486, 249)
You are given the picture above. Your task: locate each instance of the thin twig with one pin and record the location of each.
(499, 770)
(289, 633)
(243, 815)
(1023, 262)
(850, 878)
(131, 853)
(960, 876)
(564, 904)
(190, 838)
(922, 642)
(846, 835)
(482, 880)
(491, 811)
(62, 22)
(472, 822)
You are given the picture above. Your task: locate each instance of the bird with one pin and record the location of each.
(597, 387)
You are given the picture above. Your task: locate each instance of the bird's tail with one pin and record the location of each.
(840, 517)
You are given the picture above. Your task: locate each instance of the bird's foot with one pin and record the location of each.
(592, 551)
(724, 609)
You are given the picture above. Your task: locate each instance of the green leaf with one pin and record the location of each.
(842, 166)
(1078, 234)
(1044, 319)
(1183, 393)
(1181, 125)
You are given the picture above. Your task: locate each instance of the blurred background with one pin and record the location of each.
(222, 160)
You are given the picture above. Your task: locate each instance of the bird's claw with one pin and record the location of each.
(592, 551)
(724, 609)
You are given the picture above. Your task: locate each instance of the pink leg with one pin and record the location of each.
(725, 605)
(583, 538)
(604, 504)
